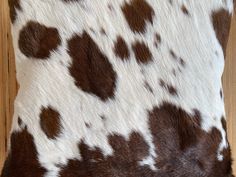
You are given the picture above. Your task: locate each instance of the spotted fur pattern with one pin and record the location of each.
(125, 88)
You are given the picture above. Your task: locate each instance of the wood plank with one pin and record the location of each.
(12, 86)
(3, 56)
(7, 79)
(229, 83)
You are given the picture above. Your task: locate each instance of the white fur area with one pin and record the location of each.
(48, 82)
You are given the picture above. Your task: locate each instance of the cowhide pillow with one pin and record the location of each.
(119, 88)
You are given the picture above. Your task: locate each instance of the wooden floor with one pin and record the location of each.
(8, 86)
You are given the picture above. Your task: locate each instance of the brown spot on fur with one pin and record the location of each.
(19, 121)
(182, 62)
(90, 68)
(75, 168)
(110, 7)
(50, 122)
(22, 160)
(37, 40)
(168, 87)
(223, 122)
(172, 53)
(137, 14)
(172, 120)
(88, 125)
(184, 10)
(221, 94)
(103, 31)
(157, 39)
(124, 161)
(176, 58)
(103, 117)
(148, 87)
(221, 20)
(92, 30)
(172, 90)
(142, 52)
(121, 48)
(183, 148)
(14, 5)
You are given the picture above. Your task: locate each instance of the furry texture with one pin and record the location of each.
(126, 88)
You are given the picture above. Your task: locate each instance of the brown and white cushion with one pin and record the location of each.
(119, 88)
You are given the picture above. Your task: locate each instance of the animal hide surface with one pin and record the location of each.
(119, 88)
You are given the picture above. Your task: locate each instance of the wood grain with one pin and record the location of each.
(8, 85)
(229, 83)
